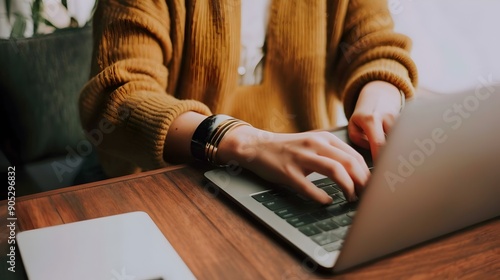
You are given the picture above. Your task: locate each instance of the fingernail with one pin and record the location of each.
(329, 200)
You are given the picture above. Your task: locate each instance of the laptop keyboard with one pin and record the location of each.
(326, 225)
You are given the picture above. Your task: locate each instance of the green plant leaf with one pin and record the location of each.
(36, 9)
(65, 3)
(19, 27)
(49, 23)
(7, 8)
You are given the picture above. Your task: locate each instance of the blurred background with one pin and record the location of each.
(454, 41)
(27, 18)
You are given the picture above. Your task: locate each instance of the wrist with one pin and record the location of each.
(208, 136)
(380, 94)
(239, 146)
(177, 143)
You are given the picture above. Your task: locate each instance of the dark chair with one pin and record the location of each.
(40, 80)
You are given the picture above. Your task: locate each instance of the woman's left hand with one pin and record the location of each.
(378, 106)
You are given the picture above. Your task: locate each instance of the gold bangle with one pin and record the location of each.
(212, 145)
(215, 141)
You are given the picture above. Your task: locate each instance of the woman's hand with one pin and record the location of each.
(288, 158)
(377, 108)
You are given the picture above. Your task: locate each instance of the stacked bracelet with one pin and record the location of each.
(212, 146)
(209, 134)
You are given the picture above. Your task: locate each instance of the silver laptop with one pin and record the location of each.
(124, 246)
(437, 173)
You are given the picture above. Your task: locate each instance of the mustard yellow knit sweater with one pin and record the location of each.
(154, 60)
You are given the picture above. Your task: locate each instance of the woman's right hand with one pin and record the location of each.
(287, 158)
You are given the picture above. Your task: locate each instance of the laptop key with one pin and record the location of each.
(276, 204)
(325, 238)
(322, 214)
(338, 209)
(263, 197)
(338, 198)
(351, 214)
(330, 190)
(333, 246)
(282, 193)
(300, 221)
(288, 212)
(336, 187)
(323, 182)
(310, 230)
(326, 225)
(340, 232)
(342, 220)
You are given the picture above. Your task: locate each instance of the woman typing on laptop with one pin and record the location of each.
(246, 82)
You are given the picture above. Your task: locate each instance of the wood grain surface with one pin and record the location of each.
(217, 240)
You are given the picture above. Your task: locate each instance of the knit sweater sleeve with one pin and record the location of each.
(125, 107)
(371, 50)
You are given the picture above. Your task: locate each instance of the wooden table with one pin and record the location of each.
(219, 241)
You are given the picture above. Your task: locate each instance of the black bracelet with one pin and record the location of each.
(203, 134)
